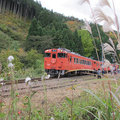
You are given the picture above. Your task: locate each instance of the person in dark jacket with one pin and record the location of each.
(99, 74)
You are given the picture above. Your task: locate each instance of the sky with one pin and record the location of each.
(67, 7)
(73, 8)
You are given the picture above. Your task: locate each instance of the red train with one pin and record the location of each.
(64, 61)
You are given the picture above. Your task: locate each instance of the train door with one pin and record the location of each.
(70, 62)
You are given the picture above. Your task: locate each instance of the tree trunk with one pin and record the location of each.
(15, 7)
(3, 10)
(11, 7)
(8, 6)
(26, 13)
(18, 11)
(21, 7)
(0, 6)
(31, 16)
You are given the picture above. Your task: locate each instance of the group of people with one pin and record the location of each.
(101, 72)
(114, 71)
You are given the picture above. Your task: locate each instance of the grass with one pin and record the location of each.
(16, 25)
(15, 28)
(86, 101)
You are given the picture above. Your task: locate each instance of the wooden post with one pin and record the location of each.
(58, 75)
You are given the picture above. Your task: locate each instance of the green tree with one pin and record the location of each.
(33, 30)
(87, 43)
(58, 39)
(46, 17)
(3, 59)
(32, 57)
(80, 46)
(68, 38)
(53, 32)
(104, 37)
(40, 31)
(75, 39)
(39, 43)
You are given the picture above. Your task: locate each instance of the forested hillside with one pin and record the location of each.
(27, 29)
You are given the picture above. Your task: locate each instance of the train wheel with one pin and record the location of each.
(79, 73)
(69, 74)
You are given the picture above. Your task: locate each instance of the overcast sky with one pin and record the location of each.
(67, 7)
(73, 8)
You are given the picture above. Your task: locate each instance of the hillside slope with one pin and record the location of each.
(15, 28)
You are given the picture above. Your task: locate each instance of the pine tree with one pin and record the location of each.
(87, 43)
(33, 30)
(75, 39)
(40, 31)
(39, 43)
(80, 46)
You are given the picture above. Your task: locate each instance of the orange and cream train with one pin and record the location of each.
(64, 61)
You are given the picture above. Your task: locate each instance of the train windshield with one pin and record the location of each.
(47, 54)
(61, 55)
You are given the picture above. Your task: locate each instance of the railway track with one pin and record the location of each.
(37, 85)
(8, 82)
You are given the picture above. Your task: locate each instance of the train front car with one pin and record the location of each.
(55, 61)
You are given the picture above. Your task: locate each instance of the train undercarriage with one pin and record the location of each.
(55, 73)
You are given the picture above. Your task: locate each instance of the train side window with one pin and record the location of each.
(77, 60)
(97, 64)
(70, 59)
(94, 62)
(74, 60)
(47, 54)
(80, 61)
(61, 55)
(83, 62)
(53, 55)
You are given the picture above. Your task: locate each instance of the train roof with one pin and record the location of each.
(67, 50)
